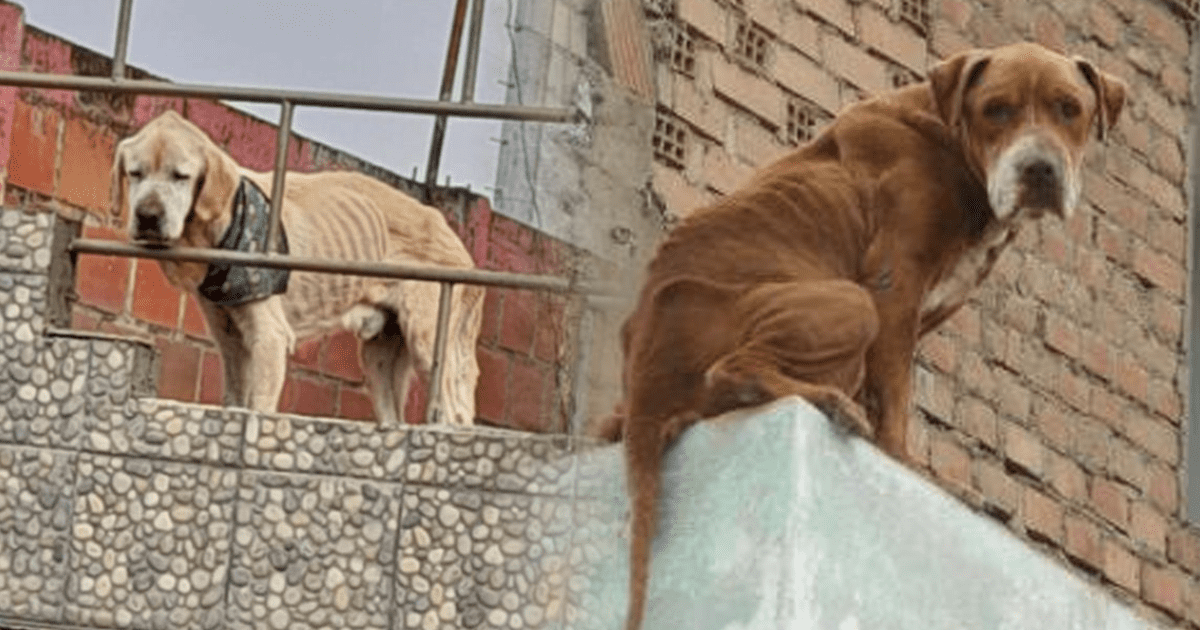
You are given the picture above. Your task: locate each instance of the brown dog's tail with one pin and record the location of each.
(644, 447)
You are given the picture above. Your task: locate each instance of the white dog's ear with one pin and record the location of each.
(216, 184)
(119, 213)
(951, 79)
(1110, 96)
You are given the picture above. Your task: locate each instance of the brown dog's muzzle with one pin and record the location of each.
(1033, 175)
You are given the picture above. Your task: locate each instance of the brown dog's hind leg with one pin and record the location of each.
(805, 339)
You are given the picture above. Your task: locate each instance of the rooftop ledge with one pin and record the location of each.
(772, 518)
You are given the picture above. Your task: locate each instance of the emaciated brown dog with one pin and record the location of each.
(819, 276)
(177, 187)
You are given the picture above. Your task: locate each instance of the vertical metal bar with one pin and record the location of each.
(433, 408)
(281, 149)
(448, 73)
(122, 46)
(474, 34)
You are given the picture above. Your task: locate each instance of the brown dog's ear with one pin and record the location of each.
(119, 213)
(950, 80)
(216, 184)
(1110, 96)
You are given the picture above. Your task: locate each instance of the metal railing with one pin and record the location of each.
(288, 100)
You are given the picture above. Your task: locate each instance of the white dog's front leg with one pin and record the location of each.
(267, 340)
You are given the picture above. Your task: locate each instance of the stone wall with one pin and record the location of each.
(118, 510)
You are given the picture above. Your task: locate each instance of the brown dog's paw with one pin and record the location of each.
(843, 411)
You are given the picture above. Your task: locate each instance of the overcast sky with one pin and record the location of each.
(389, 47)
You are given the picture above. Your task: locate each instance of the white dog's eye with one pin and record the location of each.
(180, 176)
(134, 173)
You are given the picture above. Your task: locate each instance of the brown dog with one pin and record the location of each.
(820, 275)
(179, 188)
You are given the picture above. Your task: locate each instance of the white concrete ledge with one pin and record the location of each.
(774, 519)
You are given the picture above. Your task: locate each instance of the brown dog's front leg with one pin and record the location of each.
(889, 388)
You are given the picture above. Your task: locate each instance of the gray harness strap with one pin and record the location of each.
(230, 284)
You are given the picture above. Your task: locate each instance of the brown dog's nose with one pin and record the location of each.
(1039, 174)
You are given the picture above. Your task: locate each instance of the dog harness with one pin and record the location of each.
(231, 284)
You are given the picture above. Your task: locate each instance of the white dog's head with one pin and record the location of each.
(169, 178)
(1023, 114)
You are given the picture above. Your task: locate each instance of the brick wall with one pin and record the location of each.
(59, 146)
(1053, 401)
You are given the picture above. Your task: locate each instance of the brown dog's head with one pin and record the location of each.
(1023, 114)
(169, 176)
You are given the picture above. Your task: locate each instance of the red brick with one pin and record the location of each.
(194, 323)
(418, 401)
(721, 172)
(1165, 400)
(1023, 450)
(1167, 158)
(1160, 269)
(694, 104)
(155, 299)
(1156, 436)
(680, 197)
(178, 370)
(893, 39)
(1049, 30)
(1164, 488)
(801, 31)
(1095, 353)
(551, 330)
(102, 281)
(526, 410)
(1128, 464)
(1132, 378)
(212, 379)
(491, 393)
(852, 63)
(754, 143)
(1183, 547)
(308, 353)
(1090, 442)
(978, 420)
(707, 16)
(965, 323)
(312, 397)
(1162, 587)
(1067, 478)
(1105, 25)
(1043, 516)
(519, 320)
(355, 404)
(1110, 502)
(1148, 527)
(510, 246)
(941, 352)
(1073, 388)
(999, 490)
(748, 90)
(1054, 423)
(1121, 567)
(1170, 238)
(935, 394)
(1175, 79)
(34, 148)
(950, 461)
(1166, 317)
(87, 157)
(341, 357)
(489, 331)
(1082, 542)
(835, 12)
(1014, 396)
(1062, 334)
(1165, 28)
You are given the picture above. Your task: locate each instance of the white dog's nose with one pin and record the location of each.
(148, 218)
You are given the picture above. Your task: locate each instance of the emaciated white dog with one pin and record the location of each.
(179, 188)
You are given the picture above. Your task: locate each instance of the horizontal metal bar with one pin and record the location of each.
(349, 267)
(297, 97)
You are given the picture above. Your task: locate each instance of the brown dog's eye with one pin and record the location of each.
(1069, 110)
(999, 112)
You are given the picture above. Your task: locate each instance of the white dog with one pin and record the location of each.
(179, 188)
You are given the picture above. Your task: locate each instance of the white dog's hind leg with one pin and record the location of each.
(365, 320)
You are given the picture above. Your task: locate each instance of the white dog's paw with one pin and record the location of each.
(365, 320)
